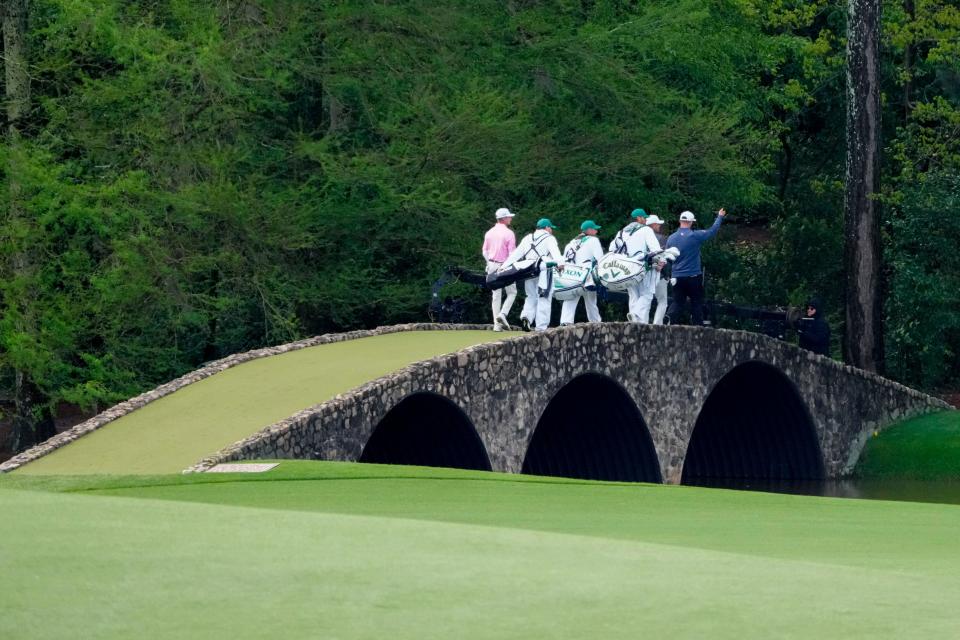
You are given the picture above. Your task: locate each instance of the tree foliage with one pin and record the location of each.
(208, 177)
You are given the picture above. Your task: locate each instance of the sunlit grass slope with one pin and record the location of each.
(326, 550)
(174, 432)
(927, 447)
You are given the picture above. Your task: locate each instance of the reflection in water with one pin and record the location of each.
(942, 491)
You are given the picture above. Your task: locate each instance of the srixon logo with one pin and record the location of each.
(574, 272)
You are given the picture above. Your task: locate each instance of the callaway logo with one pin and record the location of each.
(617, 266)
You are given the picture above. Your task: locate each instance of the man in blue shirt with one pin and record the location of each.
(687, 271)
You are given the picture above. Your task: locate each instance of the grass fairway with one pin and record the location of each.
(175, 432)
(925, 448)
(333, 550)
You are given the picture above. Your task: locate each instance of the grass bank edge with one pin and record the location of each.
(286, 471)
(922, 448)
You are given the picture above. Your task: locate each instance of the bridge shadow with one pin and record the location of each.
(753, 426)
(592, 429)
(428, 430)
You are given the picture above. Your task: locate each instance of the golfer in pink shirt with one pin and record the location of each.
(498, 243)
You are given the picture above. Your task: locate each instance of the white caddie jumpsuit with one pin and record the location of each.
(638, 240)
(661, 288)
(661, 291)
(582, 250)
(539, 244)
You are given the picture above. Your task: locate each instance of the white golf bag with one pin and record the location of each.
(617, 272)
(570, 283)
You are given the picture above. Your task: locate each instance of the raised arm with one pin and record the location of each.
(706, 234)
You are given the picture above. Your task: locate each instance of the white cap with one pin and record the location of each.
(652, 219)
(503, 212)
(687, 216)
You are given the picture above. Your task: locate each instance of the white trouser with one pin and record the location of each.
(640, 297)
(529, 311)
(661, 311)
(511, 291)
(632, 292)
(569, 309)
(544, 304)
(641, 306)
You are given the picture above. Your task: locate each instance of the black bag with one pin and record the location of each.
(517, 272)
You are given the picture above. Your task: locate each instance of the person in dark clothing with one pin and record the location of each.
(813, 330)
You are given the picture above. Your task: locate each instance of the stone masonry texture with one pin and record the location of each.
(504, 387)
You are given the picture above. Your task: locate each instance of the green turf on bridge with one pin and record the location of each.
(328, 550)
(175, 432)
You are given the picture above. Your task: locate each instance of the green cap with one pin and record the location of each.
(543, 223)
(589, 224)
(638, 213)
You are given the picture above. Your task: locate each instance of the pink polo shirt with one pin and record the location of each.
(498, 243)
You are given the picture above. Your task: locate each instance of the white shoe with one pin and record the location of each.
(525, 324)
(497, 327)
(502, 322)
(631, 317)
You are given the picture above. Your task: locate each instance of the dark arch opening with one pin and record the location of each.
(753, 426)
(592, 429)
(427, 430)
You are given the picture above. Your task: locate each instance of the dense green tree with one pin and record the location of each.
(198, 178)
(923, 40)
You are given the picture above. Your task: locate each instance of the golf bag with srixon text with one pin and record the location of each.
(572, 281)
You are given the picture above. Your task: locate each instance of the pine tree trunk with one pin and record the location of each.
(863, 336)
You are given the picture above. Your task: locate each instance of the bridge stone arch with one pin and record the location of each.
(505, 387)
(592, 429)
(428, 430)
(753, 426)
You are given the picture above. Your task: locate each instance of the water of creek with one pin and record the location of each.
(941, 491)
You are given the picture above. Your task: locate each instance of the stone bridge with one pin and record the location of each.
(606, 401)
